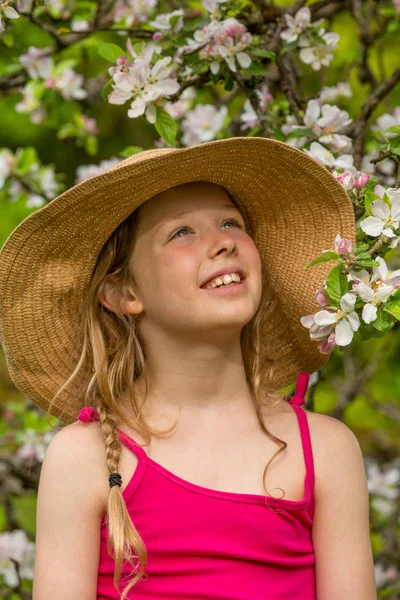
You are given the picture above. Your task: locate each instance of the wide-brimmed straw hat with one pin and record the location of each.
(295, 209)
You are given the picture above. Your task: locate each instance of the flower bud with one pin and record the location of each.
(362, 180)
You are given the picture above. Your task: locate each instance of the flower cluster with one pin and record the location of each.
(145, 81)
(221, 41)
(316, 45)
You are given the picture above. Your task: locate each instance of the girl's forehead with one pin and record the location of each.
(182, 199)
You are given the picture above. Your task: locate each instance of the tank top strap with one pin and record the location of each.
(88, 414)
(297, 402)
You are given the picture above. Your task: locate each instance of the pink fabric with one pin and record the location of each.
(204, 544)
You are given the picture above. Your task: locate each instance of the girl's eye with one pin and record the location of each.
(235, 221)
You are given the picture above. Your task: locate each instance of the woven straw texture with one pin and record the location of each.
(295, 209)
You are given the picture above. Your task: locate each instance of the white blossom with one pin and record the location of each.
(318, 54)
(15, 545)
(329, 94)
(327, 121)
(387, 120)
(178, 109)
(202, 124)
(222, 40)
(30, 103)
(296, 25)
(145, 84)
(85, 171)
(133, 12)
(6, 165)
(163, 21)
(249, 117)
(385, 219)
(8, 11)
(317, 151)
(37, 62)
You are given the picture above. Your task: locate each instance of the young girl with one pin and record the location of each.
(156, 310)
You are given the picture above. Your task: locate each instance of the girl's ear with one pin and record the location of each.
(127, 303)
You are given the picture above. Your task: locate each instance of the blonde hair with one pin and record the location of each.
(111, 342)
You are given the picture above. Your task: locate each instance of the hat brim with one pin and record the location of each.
(295, 209)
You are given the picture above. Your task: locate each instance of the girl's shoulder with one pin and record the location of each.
(84, 443)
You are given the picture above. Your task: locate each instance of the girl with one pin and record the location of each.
(156, 310)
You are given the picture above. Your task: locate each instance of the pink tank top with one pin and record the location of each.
(204, 544)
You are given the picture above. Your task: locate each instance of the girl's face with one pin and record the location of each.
(175, 254)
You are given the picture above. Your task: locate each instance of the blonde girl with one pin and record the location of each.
(155, 309)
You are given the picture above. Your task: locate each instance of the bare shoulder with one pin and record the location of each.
(80, 446)
(333, 442)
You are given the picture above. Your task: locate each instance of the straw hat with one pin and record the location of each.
(295, 209)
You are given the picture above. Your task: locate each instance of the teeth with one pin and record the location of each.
(226, 279)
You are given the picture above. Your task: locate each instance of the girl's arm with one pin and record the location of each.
(343, 553)
(69, 513)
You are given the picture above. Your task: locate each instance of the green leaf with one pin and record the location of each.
(256, 68)
(383, 321)
(300, 133)
(337, 285)
(110, 52)
(107, 89)
(367, 263)
(393, 307)
(360, 247)
(324, 258)
(394, 129)
(92, 145)
(26, 159)
(129, 151)
(262, 52)
(173, 20)
(165, 126)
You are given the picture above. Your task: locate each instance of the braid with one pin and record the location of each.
(122, 534)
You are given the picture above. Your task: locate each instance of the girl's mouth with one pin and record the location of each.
(231, 288)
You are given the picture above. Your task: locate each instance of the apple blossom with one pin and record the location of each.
(24, 6)
(15, 546)
(7, 162)
(326, 121)
(37, 62)
(318, 152)
(385, 219)
(133, 12)
(385, 121)
(329, 94)
(145, 84)
(291, 124)
(8, 11)
(296, 25)
(178, 109)
(346, 179)
(384, 168)
(213, 7)
(221, 40)
(318, 54)
(202, 124)
(249, 117)
(30, 103)
(345, 320)
(68, 83)
(163, 21)
(85, 171)
(342, 245)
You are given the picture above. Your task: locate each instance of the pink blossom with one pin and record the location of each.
(362, 180)
(347, 180)
(343, 245)
(321, 298)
